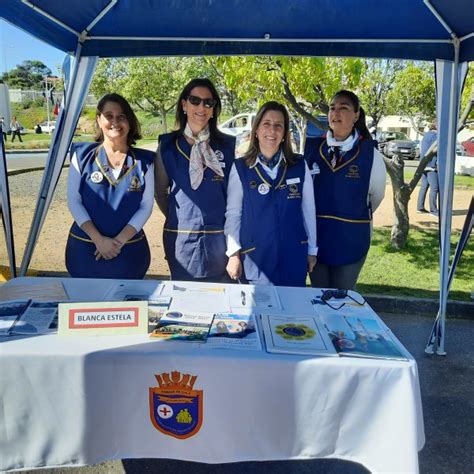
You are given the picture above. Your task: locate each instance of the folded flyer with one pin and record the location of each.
(183, 326)
(358, 336)
(234, 331)
(295, 335)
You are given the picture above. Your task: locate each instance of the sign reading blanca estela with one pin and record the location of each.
(100, 319)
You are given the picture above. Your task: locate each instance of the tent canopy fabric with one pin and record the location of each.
(404, 29)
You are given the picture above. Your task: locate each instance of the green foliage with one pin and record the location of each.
(413, 94)
(27, 75)
(29, 114)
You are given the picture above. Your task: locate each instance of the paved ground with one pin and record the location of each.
(447, 387)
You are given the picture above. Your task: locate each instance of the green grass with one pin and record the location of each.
(466, 182)
(415, 270)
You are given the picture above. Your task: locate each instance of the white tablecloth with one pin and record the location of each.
(76, 401)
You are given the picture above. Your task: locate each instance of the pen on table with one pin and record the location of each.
(243, 298)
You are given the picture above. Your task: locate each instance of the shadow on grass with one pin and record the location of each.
(403, 291)
(422, 249)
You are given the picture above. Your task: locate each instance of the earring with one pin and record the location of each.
(184, 111)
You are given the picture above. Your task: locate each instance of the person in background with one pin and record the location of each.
(110, 195)
(270, 218)
(38, 129)
(191, 170)
(16, 129)
(3, 128)
(349, 184)
(430, 174)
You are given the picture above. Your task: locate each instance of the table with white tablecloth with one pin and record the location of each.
(76, 401)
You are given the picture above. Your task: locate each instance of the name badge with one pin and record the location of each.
(315, 169)
(293, 181)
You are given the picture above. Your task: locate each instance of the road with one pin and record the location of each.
(19, 161)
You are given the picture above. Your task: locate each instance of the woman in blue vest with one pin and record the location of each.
(270, 219)
(191, 171)
(110, 195)
(349, 183)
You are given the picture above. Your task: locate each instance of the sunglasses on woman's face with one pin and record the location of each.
(208, 103)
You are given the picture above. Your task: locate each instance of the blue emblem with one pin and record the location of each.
(175, 407)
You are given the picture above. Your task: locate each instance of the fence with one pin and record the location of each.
(19, 95)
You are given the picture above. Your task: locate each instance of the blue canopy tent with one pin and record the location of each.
(435, 30)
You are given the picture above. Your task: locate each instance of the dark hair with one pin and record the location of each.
(134, 133)
(254, 148)
(360, 125)
(181, 119)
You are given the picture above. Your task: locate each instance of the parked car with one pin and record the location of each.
(468, 146)
(391, 143)
(48, 126)
(417, 149)
(238, 124)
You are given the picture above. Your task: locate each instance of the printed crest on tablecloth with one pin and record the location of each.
(175, 407)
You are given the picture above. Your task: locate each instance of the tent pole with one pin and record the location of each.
(447, 201)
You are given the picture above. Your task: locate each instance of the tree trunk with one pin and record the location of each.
(163, 119)
(401, 196)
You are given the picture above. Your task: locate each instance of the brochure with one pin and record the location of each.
(234, 331)
(183, 326)
(295, 335)
(10, 311)
(39, 318)
(156, 309)
(358, 336)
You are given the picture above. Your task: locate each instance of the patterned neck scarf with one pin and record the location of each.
(273, 161)
(337, 149)
(201, 155)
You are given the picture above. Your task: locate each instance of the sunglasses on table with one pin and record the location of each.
(208, 103)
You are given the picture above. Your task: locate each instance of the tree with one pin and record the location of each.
(27, 75)
(151, 84)
(413, 94)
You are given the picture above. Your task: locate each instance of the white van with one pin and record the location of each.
(238, 124)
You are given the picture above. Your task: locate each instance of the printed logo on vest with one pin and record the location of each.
(219, 155)
(353, 172)
(263, 189)
(135, 184)
(294, 192)
(97, 177)
(175, 407)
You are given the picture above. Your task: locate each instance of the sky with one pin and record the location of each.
(17, 46)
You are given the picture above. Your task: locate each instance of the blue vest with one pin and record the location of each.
(193, 235)
(110, 204)
(342, 213)
(274, 244)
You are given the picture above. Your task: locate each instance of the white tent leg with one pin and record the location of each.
(66, 123)
(449, 83)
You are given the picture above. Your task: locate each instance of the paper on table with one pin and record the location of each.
(37, 318)
(10, 311)
(199, 298)
(50, 291)
(361, 337)
(140, 290)
(262, 297)
(295, 335)
(185, 326)
(234, 331)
